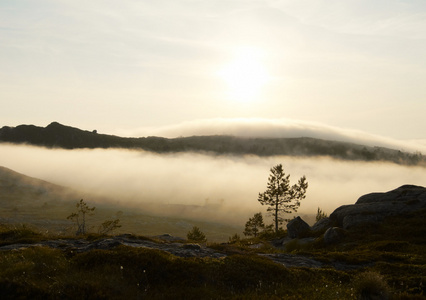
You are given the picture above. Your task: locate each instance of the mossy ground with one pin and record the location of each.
(389, 263)
(127, 272)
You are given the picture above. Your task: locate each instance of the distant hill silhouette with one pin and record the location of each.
(56, 135)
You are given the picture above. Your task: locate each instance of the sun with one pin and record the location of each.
(245, 75)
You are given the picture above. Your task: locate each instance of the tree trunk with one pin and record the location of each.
(276, 215)
(84, 223)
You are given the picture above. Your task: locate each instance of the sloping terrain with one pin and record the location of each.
(27, 200)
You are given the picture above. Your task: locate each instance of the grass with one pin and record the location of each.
(126, 272)
(52, 216)
(18, 233)
(389, 262)
(135, 272)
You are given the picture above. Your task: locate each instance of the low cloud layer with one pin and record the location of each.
(278, 128)
(223, 188)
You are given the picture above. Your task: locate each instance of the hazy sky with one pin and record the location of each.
(118, 66)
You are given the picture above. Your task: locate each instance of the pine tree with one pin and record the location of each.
(196, 235)
(320, 215)
(254, 225)
(280, 197)
(80, 216)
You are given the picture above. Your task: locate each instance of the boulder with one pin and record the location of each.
(333, 235)
(373, 208)
(321, 225)
(297, 228)
(401, 194)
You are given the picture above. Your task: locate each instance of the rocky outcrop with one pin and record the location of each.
(322, 225)
(373, 208)
(333, 235)
(175, 248)
(297, 228)
(81, 245)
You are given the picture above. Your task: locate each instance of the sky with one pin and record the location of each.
(127, 67)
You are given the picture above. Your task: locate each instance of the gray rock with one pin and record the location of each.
(373, 208)
(81, 245)
(351, 221)
(191, 246)
(333, 235)
(321, 225)
(297, 228)
(401, 194)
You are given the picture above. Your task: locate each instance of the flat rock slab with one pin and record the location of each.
(81, 245)
(178, 249)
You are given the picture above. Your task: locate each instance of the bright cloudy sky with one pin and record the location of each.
(121, 65)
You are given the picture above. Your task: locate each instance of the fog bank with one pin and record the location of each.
(223, 188)
(277, 128)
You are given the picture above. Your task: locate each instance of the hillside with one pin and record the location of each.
(27, 200)
(56, 135)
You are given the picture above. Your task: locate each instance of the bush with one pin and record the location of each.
(195, 235)
(371, 285)
(234, 239)
(18, 234)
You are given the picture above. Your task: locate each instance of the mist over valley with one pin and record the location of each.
(201, 186)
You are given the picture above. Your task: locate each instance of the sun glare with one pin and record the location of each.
(245, 75)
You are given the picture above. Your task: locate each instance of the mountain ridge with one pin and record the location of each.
(56, 135)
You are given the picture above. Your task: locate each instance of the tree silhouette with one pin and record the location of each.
(80, 216)
(196, 235)
(109, 226)
(254, 225)
(320, 215)
(280, 197)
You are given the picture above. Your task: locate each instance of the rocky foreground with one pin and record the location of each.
(171, 245)
(166, 243)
